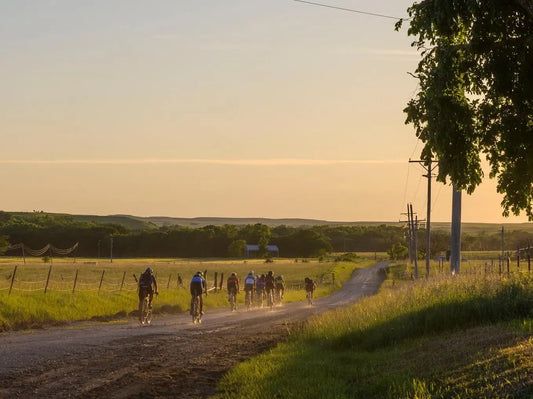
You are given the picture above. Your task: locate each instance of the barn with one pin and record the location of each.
(252, 251)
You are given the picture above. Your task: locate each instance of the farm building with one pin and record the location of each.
(251, 251)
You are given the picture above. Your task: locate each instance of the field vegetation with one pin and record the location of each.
(91, 290)
(466, 336)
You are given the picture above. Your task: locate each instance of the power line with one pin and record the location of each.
(352, 10)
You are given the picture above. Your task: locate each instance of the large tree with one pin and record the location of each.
(476, 93)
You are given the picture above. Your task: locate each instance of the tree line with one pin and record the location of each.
(37, 229)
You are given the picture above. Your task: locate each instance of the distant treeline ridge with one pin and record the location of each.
(37, 229)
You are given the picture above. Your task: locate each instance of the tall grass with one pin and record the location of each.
(29, 306)
(420, 340)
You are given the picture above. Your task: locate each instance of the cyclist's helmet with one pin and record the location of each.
(234, 274)
(270, 272)
(199, 273)
(251, 273)
(149, 270)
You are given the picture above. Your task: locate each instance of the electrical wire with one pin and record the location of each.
(352, 10)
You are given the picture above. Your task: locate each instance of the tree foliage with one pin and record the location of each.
(476, 93)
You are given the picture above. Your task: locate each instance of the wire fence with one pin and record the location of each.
(104, 281)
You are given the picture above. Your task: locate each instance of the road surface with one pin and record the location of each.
(172, 358)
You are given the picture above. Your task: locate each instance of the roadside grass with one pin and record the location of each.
(108, 291)
(460, 337)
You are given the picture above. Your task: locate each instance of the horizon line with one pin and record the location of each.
(245, 162)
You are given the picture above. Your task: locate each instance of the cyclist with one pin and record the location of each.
(233, 287)
(260, 284)
(269, 287)
(280, 286)
(249, 286)
(198, 287)
(147, 286)
(310, 286)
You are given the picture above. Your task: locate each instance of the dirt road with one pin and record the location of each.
(172, 358)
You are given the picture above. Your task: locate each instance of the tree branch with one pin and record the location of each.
(527, 6)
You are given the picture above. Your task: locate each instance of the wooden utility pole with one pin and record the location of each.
(427, 165)
(111, 249)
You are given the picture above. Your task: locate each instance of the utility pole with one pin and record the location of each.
(111, 248)
(409, 235)
(429, 169)
(455, 245)
(503, 244)
(412, 221)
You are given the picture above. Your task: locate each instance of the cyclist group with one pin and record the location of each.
(258, 289)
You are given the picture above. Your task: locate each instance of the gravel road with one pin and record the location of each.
(172, 358)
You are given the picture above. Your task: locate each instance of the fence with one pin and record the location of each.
(113, 282)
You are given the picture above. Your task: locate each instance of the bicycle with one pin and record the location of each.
(278, 297)
(145, 311)
(309, 296)
(195, 311)
(248, 299)
(233, 300)
(270, 299)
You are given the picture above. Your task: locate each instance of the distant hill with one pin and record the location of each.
(219, 221)
(469, 228)
(129, 222)
(153, 222)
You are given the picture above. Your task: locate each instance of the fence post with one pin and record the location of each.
(221, 281)
(48, 279)
(123, 279)
(75, 281)
(528, 259)
(12, 280)
(216, 279)
(518, 259)
(508, 263)
(333, 280)
(168, 284)
(101, 281)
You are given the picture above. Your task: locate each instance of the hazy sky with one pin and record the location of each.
(236, 108)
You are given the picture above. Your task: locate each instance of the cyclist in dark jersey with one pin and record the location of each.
(147, 285)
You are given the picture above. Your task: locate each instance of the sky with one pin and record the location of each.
(222, 108)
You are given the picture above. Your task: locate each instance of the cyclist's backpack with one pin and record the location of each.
(232, 283)
(145, 280)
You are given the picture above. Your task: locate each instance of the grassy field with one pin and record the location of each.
(90, 289)
(467, 336)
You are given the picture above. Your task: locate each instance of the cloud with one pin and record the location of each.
(243, 162)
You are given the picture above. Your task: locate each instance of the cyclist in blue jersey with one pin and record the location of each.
(198, 287)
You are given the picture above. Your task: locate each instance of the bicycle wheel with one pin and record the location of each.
(143, 310)
(270, 300)
(248, 299)
(148, 313)
(233, 301)
(196, 315)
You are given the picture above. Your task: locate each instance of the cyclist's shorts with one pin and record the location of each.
(144, 290)
(248, 287)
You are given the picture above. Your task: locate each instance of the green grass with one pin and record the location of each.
(461, 337)
(28, 306)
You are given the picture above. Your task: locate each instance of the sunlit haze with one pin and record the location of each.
(227, 108)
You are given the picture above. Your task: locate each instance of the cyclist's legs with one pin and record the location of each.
(142, 295)
(151, 295)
